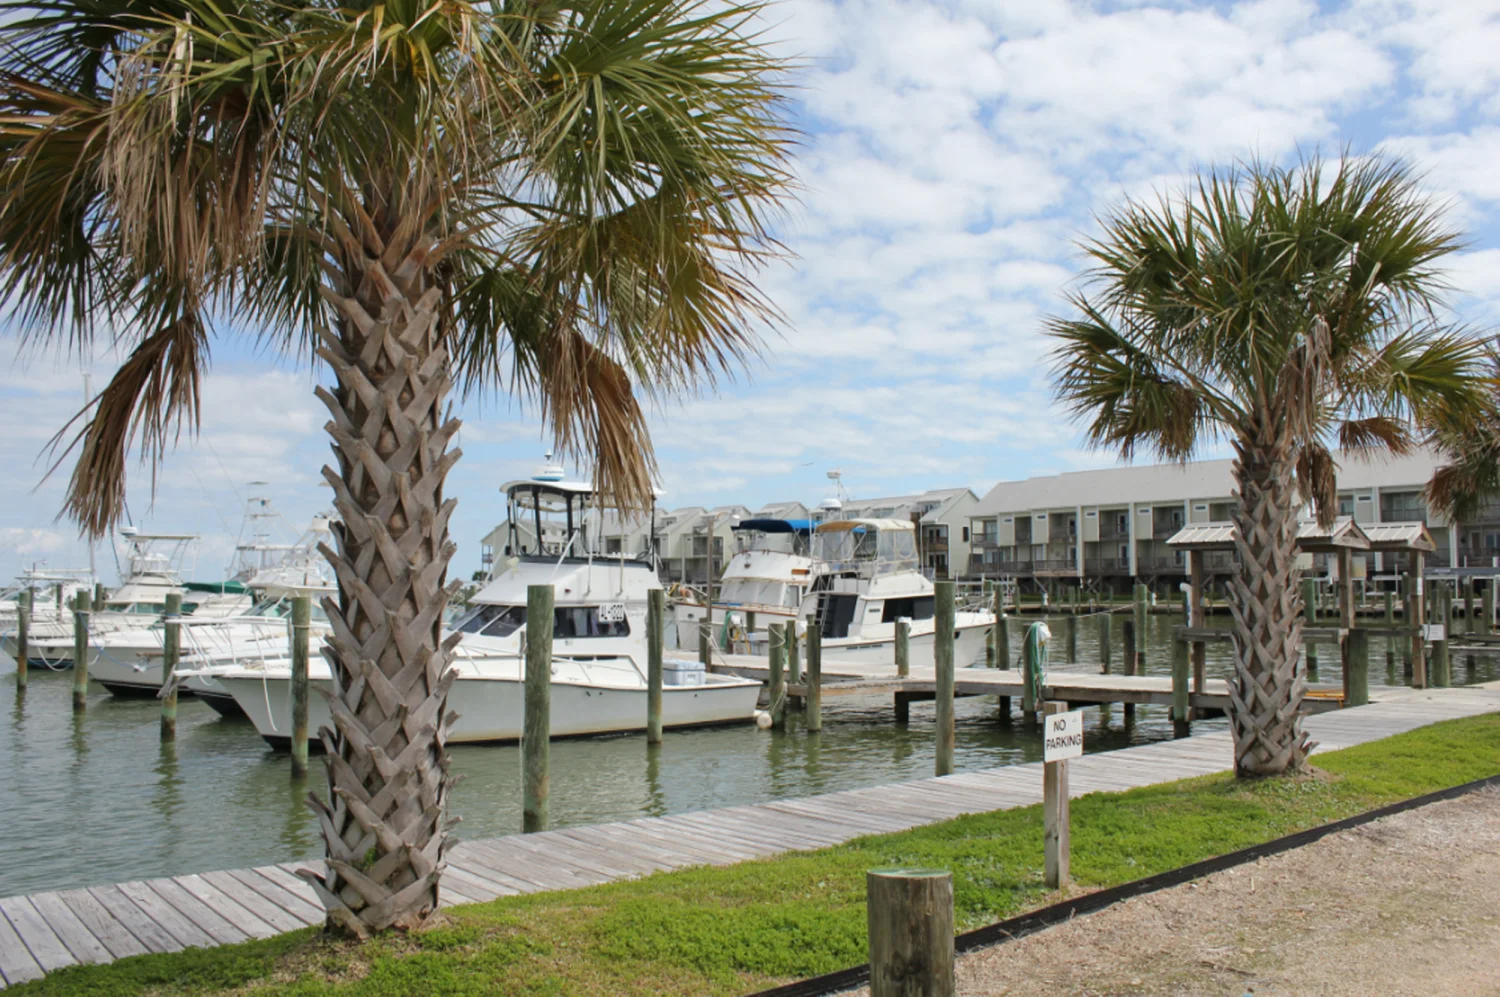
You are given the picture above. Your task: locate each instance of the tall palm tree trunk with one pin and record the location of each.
(383, 821)
(1266, 694)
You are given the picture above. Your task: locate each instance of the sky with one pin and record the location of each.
(952, 157)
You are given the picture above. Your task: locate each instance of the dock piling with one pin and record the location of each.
(910, 927)
(301, 625)
(23, 630)
(1487, 607)
(776, 650)
(1357, 668)
(814, 699)
(655, 614)
(81, 652)
(1390, 606)
(1002, 640)
(1142, 600)
(1310, 653)
(1310, 600)
(1031, 667)
(171, 646)
(903, 648)
(1070, 636)
(1181, 671)
(1129, 659)
(537, 732)
(1104, 643)
(942, 658)
(793, 662)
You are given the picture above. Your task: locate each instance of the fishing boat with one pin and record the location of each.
(867, 580)
(129, 662)
(763, 583)
(599, 644)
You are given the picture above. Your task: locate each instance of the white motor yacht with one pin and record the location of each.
(867, 580)
(762, 584)
(598, 651)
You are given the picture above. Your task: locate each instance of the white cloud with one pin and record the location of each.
(28, 541)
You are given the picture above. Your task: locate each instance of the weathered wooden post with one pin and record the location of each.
(1031, 671)
(171, 647)
(301, 624)
(793, 662)
(1415, 618)
(776, 649)
(1311, 653)
(23, 631)
(910, 924)
(1357, 667)
(81, 651)
(537, 732)
(1198, 568)
(1057, 748)
(1002, 642)
(903, 648)
(655, 617)
(1142, 601)
(1487, 607)
(57, 602)
(1469, 604)
(1070, 637)
(98, 595)
(942, 658)
(814, 684)
(1180, 678)
(1390, 606)
(1310, 601)
(1440, 671)
(705, 647)
(1128, 658)
(1104, 643)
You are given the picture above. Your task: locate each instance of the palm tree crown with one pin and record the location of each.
(590, 179)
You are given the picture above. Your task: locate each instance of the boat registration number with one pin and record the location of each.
(611, 612)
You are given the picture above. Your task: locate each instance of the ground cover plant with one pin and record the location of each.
(734, 930)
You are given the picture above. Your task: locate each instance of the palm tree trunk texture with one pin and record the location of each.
(1266, 694)
(384, 820)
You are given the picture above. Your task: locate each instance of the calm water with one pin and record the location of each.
(99, 799)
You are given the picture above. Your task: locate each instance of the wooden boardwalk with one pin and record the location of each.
(46, 931)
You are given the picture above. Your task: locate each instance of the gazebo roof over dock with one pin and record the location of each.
(1344, 534)
(1389, 537)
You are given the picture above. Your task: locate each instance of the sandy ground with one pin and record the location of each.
(1406, 905)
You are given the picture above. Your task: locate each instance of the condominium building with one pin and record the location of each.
(943, 517)
(1109, 527)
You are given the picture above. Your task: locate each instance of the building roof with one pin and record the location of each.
(1147, 483)
(1204, 536)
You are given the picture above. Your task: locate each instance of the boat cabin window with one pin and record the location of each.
(567, 621)
(142, 608)
(915, 608)
(836, 611)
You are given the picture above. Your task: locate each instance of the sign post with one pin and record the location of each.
(1062, 738)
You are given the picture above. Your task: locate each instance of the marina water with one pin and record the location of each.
(97, 798)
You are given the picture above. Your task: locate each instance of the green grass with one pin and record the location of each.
(736, 929)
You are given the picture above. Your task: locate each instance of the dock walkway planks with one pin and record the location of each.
(50, 930)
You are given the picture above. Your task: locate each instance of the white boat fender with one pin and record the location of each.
(763, 719)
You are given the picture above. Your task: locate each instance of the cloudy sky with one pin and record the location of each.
(954, 154)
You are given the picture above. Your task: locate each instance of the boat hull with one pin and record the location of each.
(968, 649)
(490, 709)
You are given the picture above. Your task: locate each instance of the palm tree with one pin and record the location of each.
(1470, 475)
(1281, 311)
(566, 199)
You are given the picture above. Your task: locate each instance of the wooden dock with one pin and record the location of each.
(47, 931)
(1082, 685)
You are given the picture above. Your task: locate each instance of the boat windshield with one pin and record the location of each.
(865, 549)
(758, 592)
(567, 621)
(282, 609)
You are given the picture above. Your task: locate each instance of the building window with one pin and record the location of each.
(966, 534)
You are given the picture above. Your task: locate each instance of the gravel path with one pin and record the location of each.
(1406, 905)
